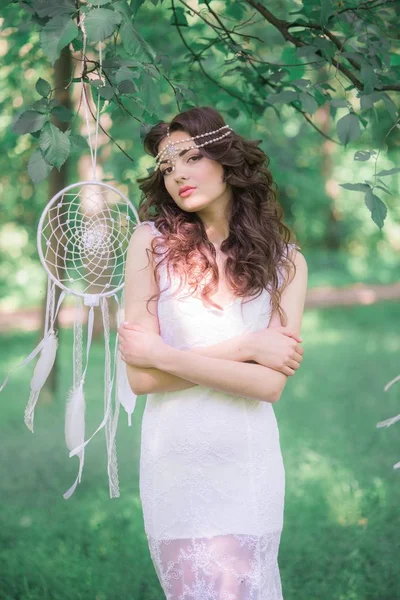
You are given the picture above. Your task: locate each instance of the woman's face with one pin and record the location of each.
(193, 169)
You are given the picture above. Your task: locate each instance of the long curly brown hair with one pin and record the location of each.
(257, 240)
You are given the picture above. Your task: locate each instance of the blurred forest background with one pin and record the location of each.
(318, 83)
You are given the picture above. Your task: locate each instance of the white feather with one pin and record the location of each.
(45, 363)
(125, 394)
(75, 418)
(388, 422)
(41, 372)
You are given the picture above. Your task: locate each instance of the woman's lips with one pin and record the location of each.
(187, 192)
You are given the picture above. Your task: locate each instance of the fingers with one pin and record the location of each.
(290, 333)
(125, 327)
(132, 325)
(289, 372)
(121, 334)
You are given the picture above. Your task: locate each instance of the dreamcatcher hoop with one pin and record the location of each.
(101, 237)
(91, 243)
(51, 203)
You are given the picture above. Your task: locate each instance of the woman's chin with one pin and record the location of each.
(192, 204)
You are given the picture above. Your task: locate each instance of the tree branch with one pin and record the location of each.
(284, 26)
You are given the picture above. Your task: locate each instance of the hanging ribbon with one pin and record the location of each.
(48, 325)
(76, 407)
(110, 427)
(124, 393)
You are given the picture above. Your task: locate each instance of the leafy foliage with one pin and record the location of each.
(321, 54)
(56, 34)
(55, 145)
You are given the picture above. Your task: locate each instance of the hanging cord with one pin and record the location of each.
(78, 343)
(111, 425)
(92, 147)
(50, 291)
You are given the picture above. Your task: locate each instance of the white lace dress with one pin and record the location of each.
(212, 478)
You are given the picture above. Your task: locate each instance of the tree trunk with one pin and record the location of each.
(57, 181)
(332, 236)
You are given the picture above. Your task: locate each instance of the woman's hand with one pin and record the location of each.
(139, 346)
(277, 348)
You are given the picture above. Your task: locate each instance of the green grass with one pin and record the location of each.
(341, 268)
(342, 508)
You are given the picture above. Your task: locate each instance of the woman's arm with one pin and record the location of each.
(240, 379)
(140, 285)
(152, 380)
(254, 381)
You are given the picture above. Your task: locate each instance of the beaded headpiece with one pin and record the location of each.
(171, 150)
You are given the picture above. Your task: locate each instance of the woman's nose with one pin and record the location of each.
(179, 173)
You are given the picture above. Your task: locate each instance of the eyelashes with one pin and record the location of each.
(195, 157)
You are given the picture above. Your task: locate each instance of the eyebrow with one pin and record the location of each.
(180, 154)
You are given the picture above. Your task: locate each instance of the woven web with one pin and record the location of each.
(84, 239)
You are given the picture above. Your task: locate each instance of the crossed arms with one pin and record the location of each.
(222, 366)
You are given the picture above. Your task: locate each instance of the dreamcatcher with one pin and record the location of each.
(82, 241)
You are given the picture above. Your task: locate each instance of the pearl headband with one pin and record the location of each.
(171, 151)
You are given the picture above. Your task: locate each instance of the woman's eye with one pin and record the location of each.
(169, 169)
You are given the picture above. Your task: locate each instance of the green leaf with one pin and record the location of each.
(384, 190)
(77, 43)
(369, 78)
(355, 187)
(29, 121)
(339, 103)
(389, 172)
(43, 87)
(308, 103)
(367, 100)
(54, 8)
(165, 62)
(55, 145)
(144, 130)
(326, 11)
(301, 83)
(41, 105)
(135, 5)
(326, 47)
(57, 34)
(106, 91)
(100, 23)
(348, 129)
(125, 74)
(282, 97)
(127, 87)
(376, 207)
(362, 155)
(178, 17)
(289, 57)
(390, 106)
(234, 113)
(149, 93)
(308, 52)
(78, 142)
(38, 168)
(62, 113)
(134, 44)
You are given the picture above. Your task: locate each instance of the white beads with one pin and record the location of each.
(171, 150)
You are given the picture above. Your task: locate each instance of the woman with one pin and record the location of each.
(205, 292)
